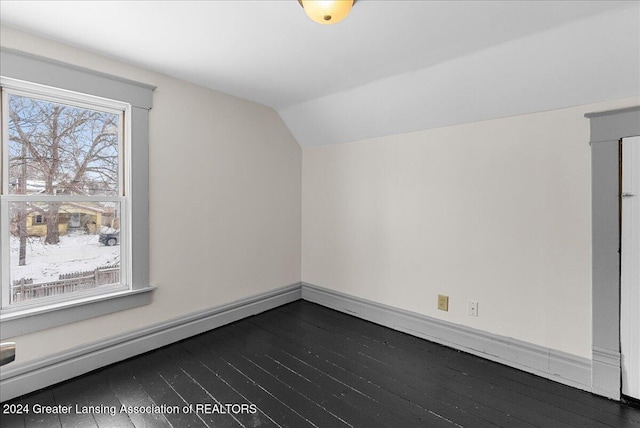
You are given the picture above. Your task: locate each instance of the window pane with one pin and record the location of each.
(57, 149)
(75, 248)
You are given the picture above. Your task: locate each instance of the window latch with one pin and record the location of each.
(628, 195)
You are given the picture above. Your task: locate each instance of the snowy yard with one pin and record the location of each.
(74, 253)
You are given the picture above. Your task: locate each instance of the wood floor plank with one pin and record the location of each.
(458, 382)
(557, 399)
(433, 396)
(260, 353)
(72, 394)
(100, 396)
(11, 416)
(425, 416)
(280, 412)
(42, 398)
(495, 374)
(219, 392)
(304, 365)
(329, 384)
(190, 390)
(147, 370)
(132, 395)
(309, 410)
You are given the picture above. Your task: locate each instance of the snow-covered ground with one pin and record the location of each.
(74, 253)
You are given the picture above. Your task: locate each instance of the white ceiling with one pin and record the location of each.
(391, 67)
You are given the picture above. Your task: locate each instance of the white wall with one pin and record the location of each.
(225, 189)
(496, 211)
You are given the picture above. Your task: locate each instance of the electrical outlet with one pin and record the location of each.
(443, 302)
(472, 308)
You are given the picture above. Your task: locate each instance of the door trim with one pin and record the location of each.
(607, 129)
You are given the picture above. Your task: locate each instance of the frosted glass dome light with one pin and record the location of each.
(327, 11)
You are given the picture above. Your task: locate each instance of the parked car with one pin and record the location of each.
(110, 239)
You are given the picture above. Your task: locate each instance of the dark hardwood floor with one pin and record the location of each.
(302, 365)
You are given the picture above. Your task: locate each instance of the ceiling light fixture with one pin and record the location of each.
(327, 12)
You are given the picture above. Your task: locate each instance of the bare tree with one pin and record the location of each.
(68, 150)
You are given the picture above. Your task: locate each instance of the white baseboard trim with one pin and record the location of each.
(606, 373)
(19, 379)
(549, 363)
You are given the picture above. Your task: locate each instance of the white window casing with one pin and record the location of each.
(36, 77)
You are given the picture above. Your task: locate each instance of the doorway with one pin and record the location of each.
(607, 130)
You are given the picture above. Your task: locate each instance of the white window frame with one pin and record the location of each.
(9, 87)
(40, 77)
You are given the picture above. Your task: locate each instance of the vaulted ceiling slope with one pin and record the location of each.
(390, 67)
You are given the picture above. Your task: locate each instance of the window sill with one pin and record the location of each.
(28, 320)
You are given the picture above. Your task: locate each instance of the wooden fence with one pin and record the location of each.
(24, 289)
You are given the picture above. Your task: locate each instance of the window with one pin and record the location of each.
(74, 237)
(64, 193)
